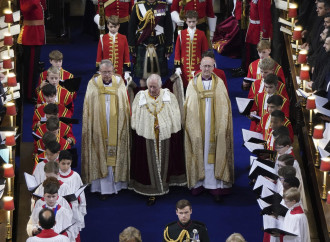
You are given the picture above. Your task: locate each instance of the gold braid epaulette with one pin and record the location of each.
(149, 17)
(180, 237)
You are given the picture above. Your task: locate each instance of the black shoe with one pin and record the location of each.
(240, 73)
(151, 201)
(218, 198)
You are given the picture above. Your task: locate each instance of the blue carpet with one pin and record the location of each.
(106, 219)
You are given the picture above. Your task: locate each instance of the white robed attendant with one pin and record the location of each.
(295, 222)
(73, 180)
(63, 218)
(48, 235)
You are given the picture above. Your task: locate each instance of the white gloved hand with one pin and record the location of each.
(178, 71)
(193, 73)
(127, 75)
(180, 23)
(95, 2)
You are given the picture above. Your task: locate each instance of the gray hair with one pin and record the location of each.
(155, 77)
(106, 62)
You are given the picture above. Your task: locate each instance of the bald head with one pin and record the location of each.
(207, 66)
(46, 218)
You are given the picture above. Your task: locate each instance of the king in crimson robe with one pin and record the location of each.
(105, 135)
(157, 157)
(208, 135)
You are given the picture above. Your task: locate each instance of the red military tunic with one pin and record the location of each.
(33, 30)
(39, 113)
(265, 129)
(63, 76)
(220, 73)
(260, 21)
(64, 97)
(254, 71)
(65, 131)
(120, 8)
(115, 50)
(188, 53)
(258, 87)
(204, 8)
(39, 145)
(260, 105)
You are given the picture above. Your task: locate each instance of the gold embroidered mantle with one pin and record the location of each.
(94, 145)
(194, 145)
(168, 115)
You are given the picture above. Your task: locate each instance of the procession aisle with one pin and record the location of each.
(239, 211)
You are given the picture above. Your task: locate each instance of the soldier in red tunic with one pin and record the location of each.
(260, 24)
(31, 37)
(63, 96)
(114, 46)
(204, 8)
(120, 8)
(190, 45)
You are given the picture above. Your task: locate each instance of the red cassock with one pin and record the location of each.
(117, 51)
(63, 76)
(270, 137)
(204, 8)
(220, 73)
(39, 113)
(64, 97)
(253, 71)
(260, 21)
(188, 54)
(65, 131)
(33, 30)
(265, 129)
(39, 145)
(256, 86)
(120, 8)
(260, 102)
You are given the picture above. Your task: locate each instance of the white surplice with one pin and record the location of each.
(209, 182)
(296, 224)
(108, 185)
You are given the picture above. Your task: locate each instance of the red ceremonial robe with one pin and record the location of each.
(258, 84)
(64, 97)
(260, 24)
(253, 68)
(65, 131)
(39, 113)
(116, 51)
(188, 53)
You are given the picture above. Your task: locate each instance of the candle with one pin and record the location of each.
(311, 103)
(11, 80)
(304, 73)
(328, 199)
(9, 18)
(297, 33)
(11, 109)
(10, 140)
(292, 13)
(8, 203)
(8, 39)
(8, 171)
(302, 57)
(304, 85)
(325, 164)
(318, 132)
(7, 63)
